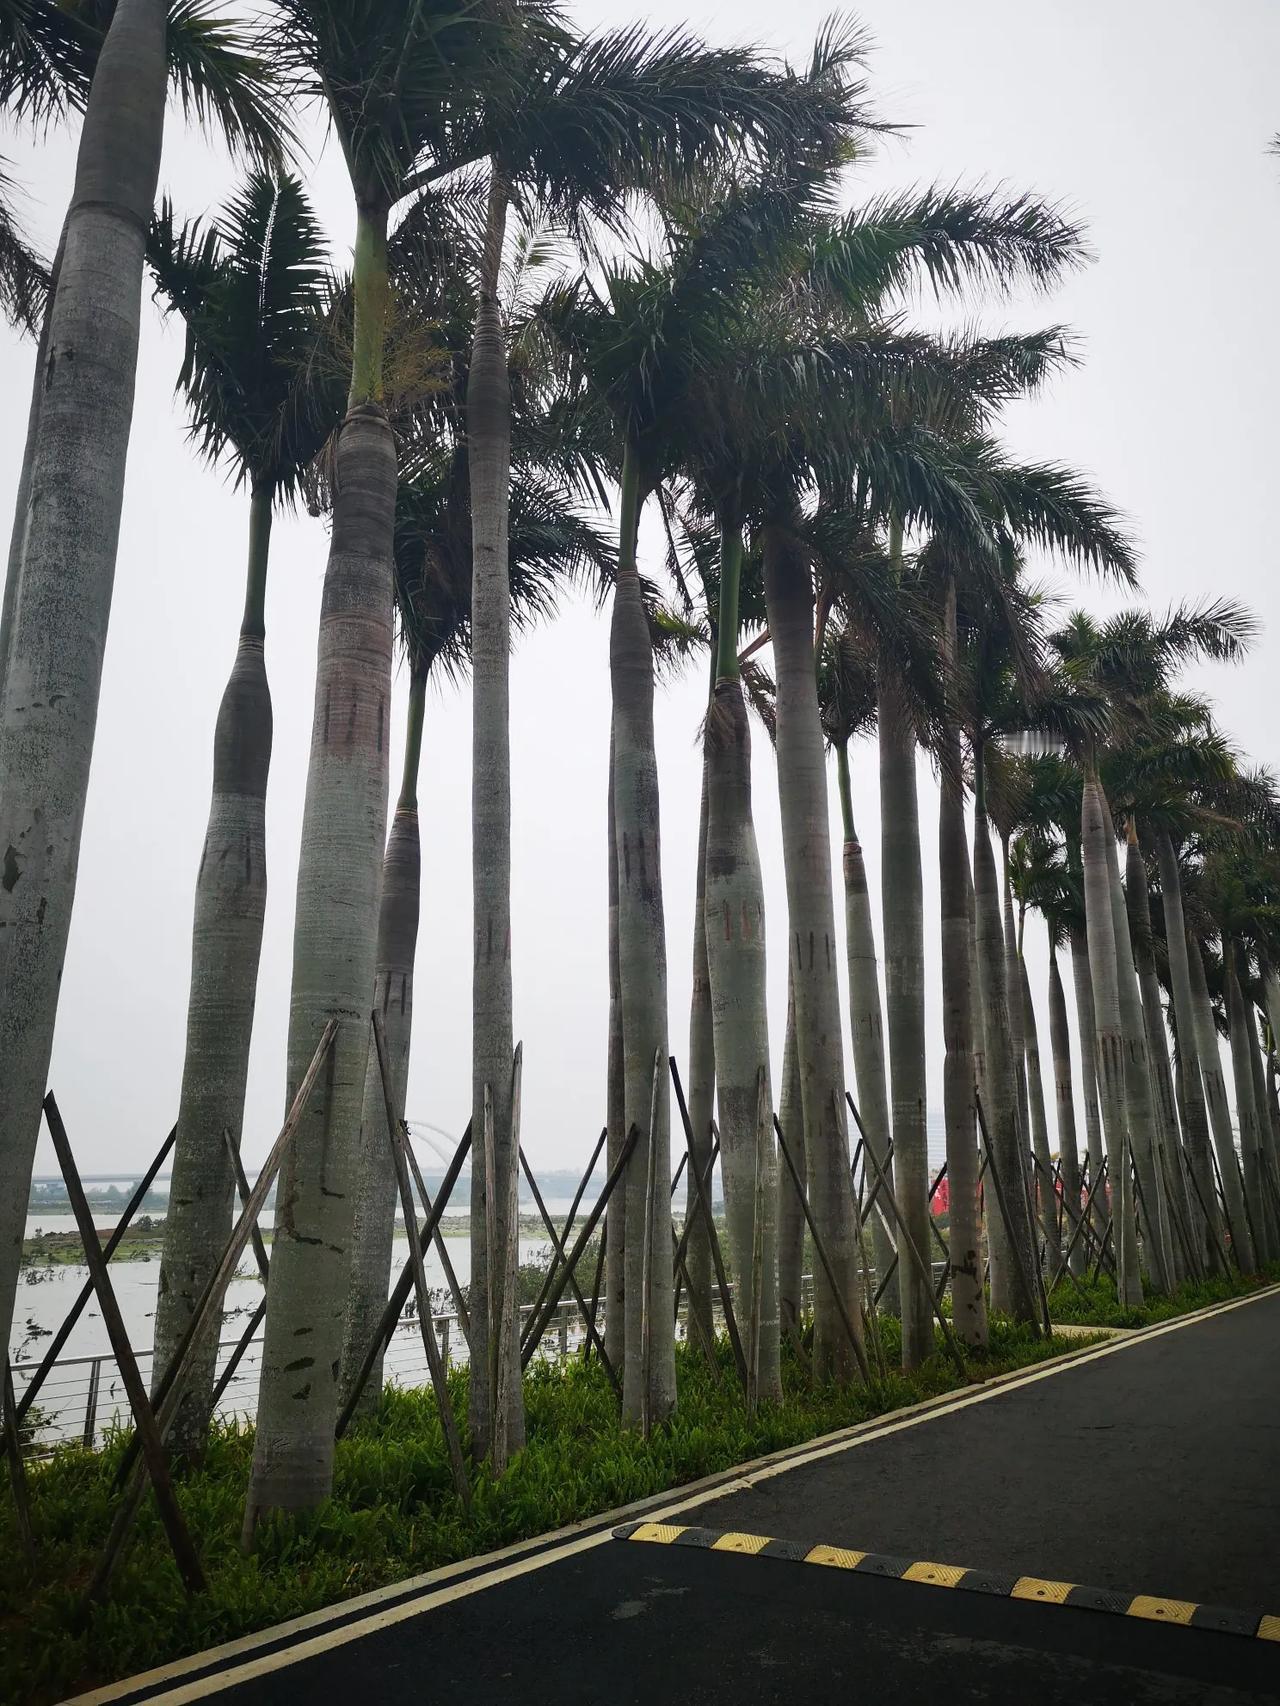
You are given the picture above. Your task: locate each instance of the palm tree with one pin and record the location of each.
(62, 560)
(252, 289)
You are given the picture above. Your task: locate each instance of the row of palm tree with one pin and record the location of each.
(625, 263)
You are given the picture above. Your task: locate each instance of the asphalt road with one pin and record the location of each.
(1155, 1470)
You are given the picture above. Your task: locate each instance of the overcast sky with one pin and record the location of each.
(1151, 120)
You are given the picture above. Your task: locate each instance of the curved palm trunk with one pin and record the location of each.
(702, 1081)
(642, 959)
(1046, 1197)
(1137, 1085)
(492, 1037)
(1215, 1096)
(902, 905)
(344, 828)
(1065, 1102)
(791, 1227)
(377, 1200)
(226, 941)
(1087, 1031)
(1195, 1111)
(814, 960)
(1169, 1140)
(1013, 1258)
(1104, 969)
(865, 1019)
(615, 1279)
(1251, 1153)
(61, 603)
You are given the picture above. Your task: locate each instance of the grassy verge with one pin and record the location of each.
(1093, 1303)
(393, 1513)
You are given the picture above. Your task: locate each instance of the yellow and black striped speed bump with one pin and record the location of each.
(1149, 1606)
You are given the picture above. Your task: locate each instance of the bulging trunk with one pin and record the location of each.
(1215, 1096)
(968, 1302)
(226, 941)
(866, 1023)
(492, 1037)
(1087, 1030)
(702, 1084)
(814, 961)
(734, 919)
(1206, 1217)
(60, 603)
(344, 828)
(1065, 1103)
(791, 1227)
(1095, 833)
(615, 1279)
(377, 1201)
(1137, 1084)
(902, 901)
(1013, 1257)
(649, 1379)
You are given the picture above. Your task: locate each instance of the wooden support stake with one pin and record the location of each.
(646, 1254)
(1213, 1231)
(924, 1270)
(146, 1429)
(493, 1275)
(764, 1116)
(442, 1247)
(713, 1237)
(17, 1469)
(233, 1361)
(1034, 1282)
(509, 1312)
(855, 1340)
(595, 1290)
(575, 1255)
(396, 1137)
(686, 1231)
(404, 1285)
(54, 1348)
(568, 1225)
(559, 1254)
(242, 1187)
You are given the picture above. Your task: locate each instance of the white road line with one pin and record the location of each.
(796, 1458)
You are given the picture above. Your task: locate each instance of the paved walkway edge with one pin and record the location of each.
(349, 1619)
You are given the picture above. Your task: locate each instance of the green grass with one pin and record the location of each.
(1098, 1306)
(393, 1512)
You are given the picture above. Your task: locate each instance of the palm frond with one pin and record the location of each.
(229, 84)
(24, 277)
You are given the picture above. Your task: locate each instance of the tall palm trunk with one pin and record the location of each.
(378, 1195)
(791, 1227)
(902, 905)
(1137, 1086)
(226, 941)
(1045, 1195)
(492, 1038)
(62, 600)
(615, 1277)
(968, 1300)
(1017, 1026)
(642, 959)
(1266, 1133)
(1195, 1111)
(1169, 1140)
(702, 1078)
(1013, 1258)
(1087, 1031)
(735, 939)
(865, 1019)
(1215, 1096)
(1104, 970)
(806, 850)
(1247, 1111)
(1065, 1103)
(344, 826)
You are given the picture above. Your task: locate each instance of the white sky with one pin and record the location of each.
(1150, 119)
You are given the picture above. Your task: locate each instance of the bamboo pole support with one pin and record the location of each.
(1034, 1281)
(568, 1225)
(59, 1339)
(146, 1429)
(713, 1237)
(595, 1290)
(442, 1248)
(558, 1252)
(924, 1270)
(396, 1137)
(855, 1340)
